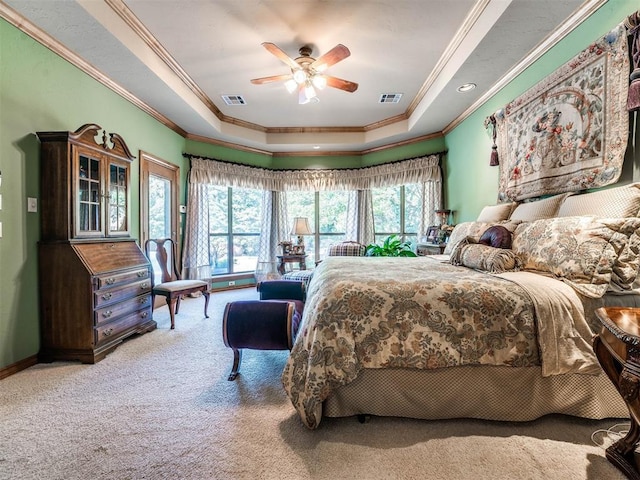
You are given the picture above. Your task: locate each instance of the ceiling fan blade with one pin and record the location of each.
(273, 78)
(278, 52)
(333, 56)
(341, 84)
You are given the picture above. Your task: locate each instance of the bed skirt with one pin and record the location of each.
(482, 392)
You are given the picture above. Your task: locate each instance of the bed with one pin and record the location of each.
(434, 338)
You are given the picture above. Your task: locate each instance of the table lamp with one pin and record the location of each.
(301, 228)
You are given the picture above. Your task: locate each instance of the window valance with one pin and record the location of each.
(415, 170)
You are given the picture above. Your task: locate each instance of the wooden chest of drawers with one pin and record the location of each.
(93, 295)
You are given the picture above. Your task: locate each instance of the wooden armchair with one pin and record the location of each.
(172, 287)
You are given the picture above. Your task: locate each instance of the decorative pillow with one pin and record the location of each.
(580, 251)
(627, 264)
(475, 231)
(483, 257)
(616, 202)
(496, 213)
(496, 236)
(348, 248)
(545, 208)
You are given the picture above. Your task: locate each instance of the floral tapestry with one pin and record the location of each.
(569, 132)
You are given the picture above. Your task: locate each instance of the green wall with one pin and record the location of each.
(41, 91)
(470, 182)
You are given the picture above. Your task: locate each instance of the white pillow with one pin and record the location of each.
(544, 208)
(496, 213)
(619, 202)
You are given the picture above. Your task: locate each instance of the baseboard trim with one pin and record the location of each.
(18, 366)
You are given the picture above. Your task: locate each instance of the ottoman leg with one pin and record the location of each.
(237, 358)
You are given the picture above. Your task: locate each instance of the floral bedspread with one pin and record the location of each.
(381, 312)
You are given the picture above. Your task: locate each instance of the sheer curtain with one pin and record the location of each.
(431, 197)
(360, 217)
(274, 225)
(196, 256)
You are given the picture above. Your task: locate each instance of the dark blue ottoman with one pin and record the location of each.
(266, 324)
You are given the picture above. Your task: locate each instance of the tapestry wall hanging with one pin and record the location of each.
(569, 132)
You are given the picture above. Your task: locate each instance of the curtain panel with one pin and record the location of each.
(415, 170)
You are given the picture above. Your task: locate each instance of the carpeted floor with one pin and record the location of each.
(160, 407)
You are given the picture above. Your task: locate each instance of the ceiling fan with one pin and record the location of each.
(307, 73)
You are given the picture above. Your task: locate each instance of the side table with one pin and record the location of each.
(284, 259)
(423, 249)
(617, 347)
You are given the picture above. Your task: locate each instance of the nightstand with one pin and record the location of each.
(423, 249)
(617, 347)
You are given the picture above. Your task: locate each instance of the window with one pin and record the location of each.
(327, 214)
(397, 210)
(234, 229)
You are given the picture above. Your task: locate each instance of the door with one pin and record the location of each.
(159, 215)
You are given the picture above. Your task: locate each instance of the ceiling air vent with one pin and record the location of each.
(234, 100)
(390, 97)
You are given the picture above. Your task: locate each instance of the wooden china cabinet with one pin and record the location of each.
(94, 281)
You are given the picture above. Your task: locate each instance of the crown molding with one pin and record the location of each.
(39, 35)
(42, 37)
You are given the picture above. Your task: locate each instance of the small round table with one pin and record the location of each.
(617, 347)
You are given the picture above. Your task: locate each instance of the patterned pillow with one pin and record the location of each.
(545, 208)
(347, 248)
(616, 202)
(496, 213)
(483, 257)
(580, 251)
(627, 264)
(473, 230)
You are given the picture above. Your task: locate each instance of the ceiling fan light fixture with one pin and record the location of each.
(319, 81)
(306, 72)
(291, 85)
(300, 76)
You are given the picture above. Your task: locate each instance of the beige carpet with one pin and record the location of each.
(160, 407)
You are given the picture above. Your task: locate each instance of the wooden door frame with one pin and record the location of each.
(151, 164)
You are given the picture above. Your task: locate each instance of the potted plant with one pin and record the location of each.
(392, 246)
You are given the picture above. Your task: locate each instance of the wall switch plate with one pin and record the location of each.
(32, 204)
(0, 229)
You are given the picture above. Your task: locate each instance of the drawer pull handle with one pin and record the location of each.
(144, 314)
(144, 300)
(107, 296)
(107, 332)
(110, 281)
(144, 285)
(107, 314)
(142, 274)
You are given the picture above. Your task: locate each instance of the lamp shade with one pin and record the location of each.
(301, 226)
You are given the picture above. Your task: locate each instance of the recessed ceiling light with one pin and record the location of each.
(466, 87)
(316, 147)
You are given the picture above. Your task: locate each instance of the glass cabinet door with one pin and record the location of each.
(118, 206)
(89, 195)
